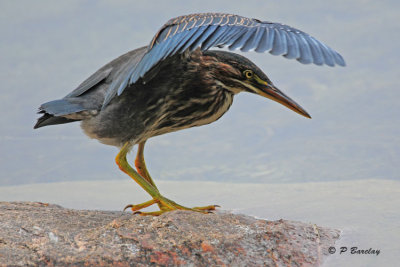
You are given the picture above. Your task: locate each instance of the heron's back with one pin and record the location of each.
(87, 99)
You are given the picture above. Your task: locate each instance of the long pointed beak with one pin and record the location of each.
(273, 93)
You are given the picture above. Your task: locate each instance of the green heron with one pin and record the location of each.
(176, 83)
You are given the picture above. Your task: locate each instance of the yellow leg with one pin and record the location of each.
(125, 167)
(145, 181)
(141, 165)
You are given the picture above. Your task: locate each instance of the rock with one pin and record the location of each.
(46, 234)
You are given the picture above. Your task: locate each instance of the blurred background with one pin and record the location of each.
(48, 48)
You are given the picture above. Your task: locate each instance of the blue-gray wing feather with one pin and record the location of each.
(293, 46)
(187, 33)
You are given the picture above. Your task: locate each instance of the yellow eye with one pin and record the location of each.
(248, 74)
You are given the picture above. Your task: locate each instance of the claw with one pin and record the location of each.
(142, 205)
(127, 207)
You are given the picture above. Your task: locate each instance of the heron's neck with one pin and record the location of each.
(213, 73)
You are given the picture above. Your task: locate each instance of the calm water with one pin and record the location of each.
(367, 211)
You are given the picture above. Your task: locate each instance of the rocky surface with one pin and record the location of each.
(45, 234)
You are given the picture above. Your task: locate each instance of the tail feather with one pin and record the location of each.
(54, 112)
(60, 107)
(48, 119)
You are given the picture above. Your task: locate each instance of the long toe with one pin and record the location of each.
(142, 205)
(166, 205)
(207, 208)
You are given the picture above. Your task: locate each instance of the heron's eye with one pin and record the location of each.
(248, 74)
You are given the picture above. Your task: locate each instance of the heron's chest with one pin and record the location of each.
(217, 106)
(180, 112)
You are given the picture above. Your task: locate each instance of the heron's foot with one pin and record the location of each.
(207, 208)
(166, 205)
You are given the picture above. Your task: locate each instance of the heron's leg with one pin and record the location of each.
(148, 187)
(165, 204)
(140, 164)
(125, 167)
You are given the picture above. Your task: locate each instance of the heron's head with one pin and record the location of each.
(238, 74)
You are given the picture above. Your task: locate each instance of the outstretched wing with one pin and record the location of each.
(206, 30)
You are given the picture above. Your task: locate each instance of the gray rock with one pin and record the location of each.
(45, 234)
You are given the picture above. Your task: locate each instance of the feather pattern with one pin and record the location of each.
(206, 30)
(293, 46)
